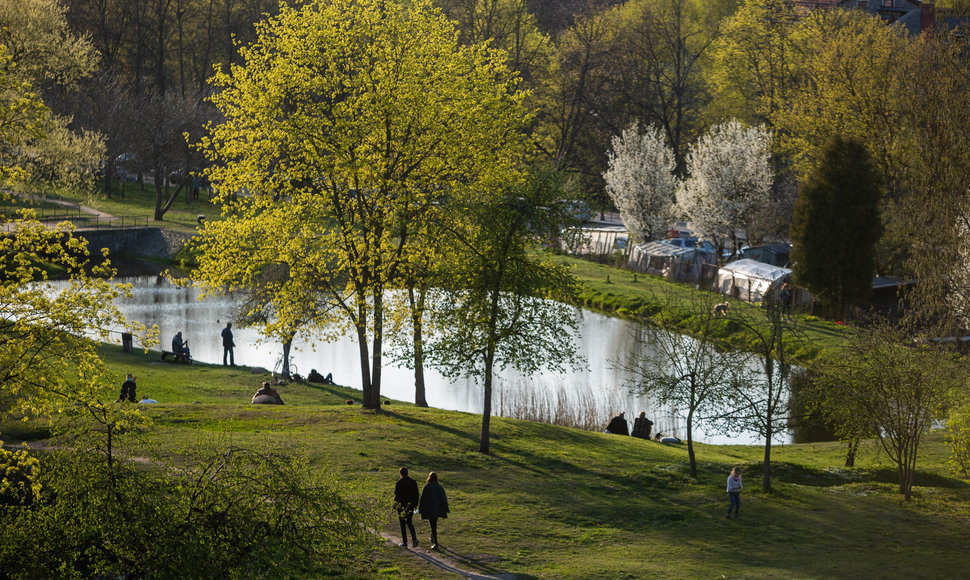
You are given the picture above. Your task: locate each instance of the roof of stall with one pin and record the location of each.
(755, 269)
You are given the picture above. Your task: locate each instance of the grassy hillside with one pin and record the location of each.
(552, 502)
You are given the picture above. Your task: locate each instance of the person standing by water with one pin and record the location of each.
(228, 345)
(405, 502)
(433, 505)
(127, 390)
(734, 493)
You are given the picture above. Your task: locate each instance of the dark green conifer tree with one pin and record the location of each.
(836, 225)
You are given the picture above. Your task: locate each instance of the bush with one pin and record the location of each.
(958, 439)
(236, 514)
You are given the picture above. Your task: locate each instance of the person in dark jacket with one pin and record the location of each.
(405, 502)
(433, 505)
(228, 345)
(127, 390)
(267, 395)
(180, 346)
(618, 426)
(642, 426)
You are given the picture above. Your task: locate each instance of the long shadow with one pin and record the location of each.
(479, 564)
(423, 423)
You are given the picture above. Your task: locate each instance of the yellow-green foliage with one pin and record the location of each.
(47, 364)
(347, 126)
(18, 476)
(958, 439)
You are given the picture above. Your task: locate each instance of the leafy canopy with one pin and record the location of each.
(346, 125)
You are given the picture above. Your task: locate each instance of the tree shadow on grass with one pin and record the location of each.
(834, 476)
(438, 427)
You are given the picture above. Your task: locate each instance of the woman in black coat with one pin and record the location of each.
(433, 505)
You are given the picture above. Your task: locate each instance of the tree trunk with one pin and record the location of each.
(286, 358)
(417, 309)
(487, 403)
(766, 471)
(372, 396)
(362, 351)
(690, 444)
(162, 206)
(850, 453)
(109, 168)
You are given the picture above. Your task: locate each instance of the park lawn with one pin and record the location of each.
(139, 201)
(554, 502)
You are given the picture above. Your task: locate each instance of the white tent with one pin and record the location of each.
(748, 279)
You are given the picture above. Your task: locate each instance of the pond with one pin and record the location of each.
(584, 398)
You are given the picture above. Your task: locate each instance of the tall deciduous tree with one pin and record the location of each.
(40, 52)
(755, 60)
(762, 401)
(729, 173)
(500, 309)
(662, 47)
(640, 180)
(937, 204)
(346, 123)
(836, 225)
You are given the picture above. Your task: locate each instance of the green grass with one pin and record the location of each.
(553, 502)
(139, 202)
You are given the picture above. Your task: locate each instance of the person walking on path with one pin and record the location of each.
(228, 345)
(405, 502)
(734, 493)
(433, 505)
(127, 390)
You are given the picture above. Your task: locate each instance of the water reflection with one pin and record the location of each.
(585, 398)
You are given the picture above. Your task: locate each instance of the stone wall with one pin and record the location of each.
(143, 242)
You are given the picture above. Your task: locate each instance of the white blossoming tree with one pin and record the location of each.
(640, 180)
(729, 175)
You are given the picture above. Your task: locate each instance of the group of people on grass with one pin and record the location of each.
(641, 426)
(432, 504)
(128, 392)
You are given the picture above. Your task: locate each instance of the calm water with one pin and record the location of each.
(584, 398)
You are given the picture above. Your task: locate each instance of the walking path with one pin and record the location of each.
(452, 562)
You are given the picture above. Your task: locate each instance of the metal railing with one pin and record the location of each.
(85, 221)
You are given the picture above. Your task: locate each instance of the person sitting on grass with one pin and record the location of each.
(267, 395)
(618, 426)
(127, 390)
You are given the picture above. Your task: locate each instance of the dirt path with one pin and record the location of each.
(448, 560)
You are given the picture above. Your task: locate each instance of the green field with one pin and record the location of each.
(553, 502)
